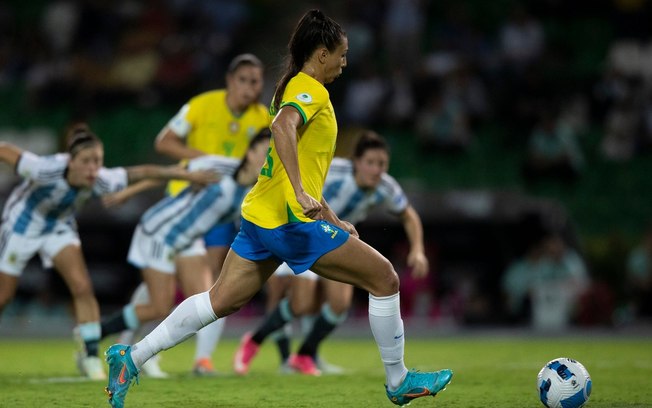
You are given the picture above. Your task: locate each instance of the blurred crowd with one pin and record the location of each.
(546, 71)
(440, 69)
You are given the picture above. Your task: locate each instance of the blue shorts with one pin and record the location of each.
(298, 244)
(220, 235)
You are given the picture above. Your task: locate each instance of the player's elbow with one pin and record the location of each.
(161, 145)
(165, 141)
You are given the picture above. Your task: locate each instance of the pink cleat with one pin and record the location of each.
(304, 365)
(245, 353)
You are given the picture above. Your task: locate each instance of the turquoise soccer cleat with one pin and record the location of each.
(122, 371)
(417, 384)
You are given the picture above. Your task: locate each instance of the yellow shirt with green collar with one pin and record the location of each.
(272, 203)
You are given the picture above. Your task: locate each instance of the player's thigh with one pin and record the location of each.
(186, 260)
(239, 281)
(216, 256)
(357, 263)
(70, 264)
(194, 277)
(8, 285)
(161, 287)
(338, 295)
(303, 294)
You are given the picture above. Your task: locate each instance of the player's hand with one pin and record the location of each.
(419, 264)
(350, 228)
(203, 177)
(311, 207)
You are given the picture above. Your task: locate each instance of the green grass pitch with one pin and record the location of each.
(489, 372)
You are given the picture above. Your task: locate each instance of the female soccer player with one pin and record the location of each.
(220, 122)
(39, 217)
(285, 219)
(172, 227)
(352, 189)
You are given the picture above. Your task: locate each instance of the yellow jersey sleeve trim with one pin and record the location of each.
(297, 107)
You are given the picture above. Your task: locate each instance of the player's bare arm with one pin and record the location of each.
(414, 230)
(170, 144)
(150, 171)
(284, 131)
(9, 153)
(121, 197)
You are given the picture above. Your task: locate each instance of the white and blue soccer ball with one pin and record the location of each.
(564, 383)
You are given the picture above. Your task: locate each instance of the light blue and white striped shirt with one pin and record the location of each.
(352, 203)
(181, 219)
(44, 201)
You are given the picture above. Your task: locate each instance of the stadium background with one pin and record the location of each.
(127, 66)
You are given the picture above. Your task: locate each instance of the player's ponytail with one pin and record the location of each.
(314, 30)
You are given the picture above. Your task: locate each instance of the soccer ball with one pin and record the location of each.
(564, 383)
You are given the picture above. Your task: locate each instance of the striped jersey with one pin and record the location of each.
(179, 220)
(353, 204)
(45, 201)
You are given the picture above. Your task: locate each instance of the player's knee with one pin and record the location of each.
(301, 308)
(387, 281)
(222, 309)
(162, 309)
(340, 308)
(5, 298)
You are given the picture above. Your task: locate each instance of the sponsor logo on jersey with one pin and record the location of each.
(304, 97)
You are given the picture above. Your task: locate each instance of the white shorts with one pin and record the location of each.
(147, 251)
(197, 248)
(16, 249)
(284, 270)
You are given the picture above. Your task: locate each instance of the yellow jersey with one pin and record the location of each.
(271, 202)
(207, 124)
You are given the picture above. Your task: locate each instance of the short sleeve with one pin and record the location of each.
(306, 97)
(180, 123)
(395, 200)
(110, 180)
(41, 169)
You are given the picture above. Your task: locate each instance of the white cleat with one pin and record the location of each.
(152, 369)
(327, 368)
(93, 368)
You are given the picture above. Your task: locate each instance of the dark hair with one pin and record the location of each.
(81, 137)
(264, 135)
(369, 139)
(313, 30)
(242, 60)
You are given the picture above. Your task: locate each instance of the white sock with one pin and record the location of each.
(207, 339)
(184, 321)
(387, 328)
